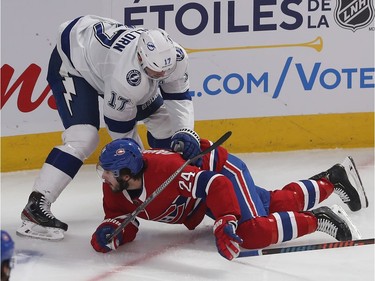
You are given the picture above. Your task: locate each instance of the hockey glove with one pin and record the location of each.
(106, 228)
(187, 142)
(227, 241)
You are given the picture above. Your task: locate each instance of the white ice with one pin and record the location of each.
(171, 252)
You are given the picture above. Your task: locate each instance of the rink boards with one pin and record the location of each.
(249, 135)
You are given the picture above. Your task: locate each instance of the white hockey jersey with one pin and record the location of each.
(103, 52)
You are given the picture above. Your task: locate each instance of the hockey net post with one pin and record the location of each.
(149, 199)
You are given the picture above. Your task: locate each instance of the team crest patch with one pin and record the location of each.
(120, 151)
(151, 46)
(354, 14)
(180, 54)
(133, 77)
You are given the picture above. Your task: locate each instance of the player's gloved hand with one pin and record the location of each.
(227, 241)
(99, 239)
(187, 142)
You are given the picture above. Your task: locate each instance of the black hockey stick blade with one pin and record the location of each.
(148, 200)
(302, 248)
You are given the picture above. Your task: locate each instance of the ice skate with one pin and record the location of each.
(338, 210)
(332, 224)
(34, 230)
(38, 221)
(347, 184)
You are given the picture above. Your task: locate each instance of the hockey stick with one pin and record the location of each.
(302, 248)
(148, 200)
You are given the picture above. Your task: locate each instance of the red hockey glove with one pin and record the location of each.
(227, 241)
(187, 142)
(106, 228)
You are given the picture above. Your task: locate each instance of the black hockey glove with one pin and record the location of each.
(187, 142)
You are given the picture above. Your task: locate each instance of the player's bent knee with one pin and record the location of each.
(258, 233)
(83, 139)
(286, 200)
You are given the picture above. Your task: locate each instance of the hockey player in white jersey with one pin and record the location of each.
(142, 75)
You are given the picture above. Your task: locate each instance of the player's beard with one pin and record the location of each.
(122, 185)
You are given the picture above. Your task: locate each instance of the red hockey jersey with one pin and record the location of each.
(186, 199)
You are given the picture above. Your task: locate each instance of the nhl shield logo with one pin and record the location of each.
(354, 14)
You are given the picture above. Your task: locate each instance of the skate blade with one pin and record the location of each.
(338, 210)
(355, 179)
(33, 230)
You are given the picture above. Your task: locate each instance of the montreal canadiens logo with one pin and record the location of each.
(120, 151)
(354, 14)
(133, 77)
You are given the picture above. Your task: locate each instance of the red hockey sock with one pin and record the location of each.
(300, 196)
(262, 232)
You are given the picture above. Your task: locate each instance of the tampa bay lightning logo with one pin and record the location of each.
(133, 77)
(180, 54)
(354, 14)
(151, 46)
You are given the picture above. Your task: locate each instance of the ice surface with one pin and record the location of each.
(171, 252)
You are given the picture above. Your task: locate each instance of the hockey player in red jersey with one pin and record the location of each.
(244, 214)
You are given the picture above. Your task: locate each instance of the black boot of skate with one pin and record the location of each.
(38, 211)
(352, 194)
(332, 224)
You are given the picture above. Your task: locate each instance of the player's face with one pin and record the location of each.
(5, 270)
(117, 185)
(155, 74)
(109, 178)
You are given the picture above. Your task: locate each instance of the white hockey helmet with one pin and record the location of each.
(157, 52)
